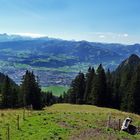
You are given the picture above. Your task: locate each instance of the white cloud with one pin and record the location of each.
(125, 35)
(33, 35)
(101, 36)
(112, 37)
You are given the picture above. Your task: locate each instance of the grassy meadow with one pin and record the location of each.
(56, 90)
(64, 122)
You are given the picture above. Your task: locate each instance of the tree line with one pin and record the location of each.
(28, 93)
(119, 89)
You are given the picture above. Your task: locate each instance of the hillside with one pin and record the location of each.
(65, 122)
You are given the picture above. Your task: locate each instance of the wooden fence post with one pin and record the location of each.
(31, 108)
(8, 132)
(119, 124)
(24, 113)
(138, 129)
(108, 121)
(114, 122)
(18, 122)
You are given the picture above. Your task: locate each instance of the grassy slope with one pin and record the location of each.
(56, 90)
(64, 121)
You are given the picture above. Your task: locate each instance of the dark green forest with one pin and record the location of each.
(27, 94)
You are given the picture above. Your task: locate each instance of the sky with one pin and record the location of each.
(110, 21)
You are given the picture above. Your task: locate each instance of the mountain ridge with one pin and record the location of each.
(19, 37)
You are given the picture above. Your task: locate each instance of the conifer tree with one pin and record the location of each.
(6, 93)
(65, 97)
(89, 80)
(72, 94)
(77, 89)
(14, 98)
(109, 88)
(60, 99)
(116, 99)
(99, 91)
(49, 98)
(125, 83)
(30, 91)
(134, 96)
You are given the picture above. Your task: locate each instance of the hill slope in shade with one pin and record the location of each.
(130, 63)
(65, 121)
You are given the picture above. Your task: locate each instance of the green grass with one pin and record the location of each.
(56, 90)
(65, 122)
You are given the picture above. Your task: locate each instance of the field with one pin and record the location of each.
(56, 90)
(64, 122)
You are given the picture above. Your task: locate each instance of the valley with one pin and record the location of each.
(56, 61)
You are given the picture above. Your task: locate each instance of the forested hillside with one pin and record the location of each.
(118, 89)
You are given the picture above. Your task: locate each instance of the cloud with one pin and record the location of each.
(125, 35)
(111, 37)
(33, 35)
(101, 36)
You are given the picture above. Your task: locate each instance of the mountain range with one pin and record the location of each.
(57, 61)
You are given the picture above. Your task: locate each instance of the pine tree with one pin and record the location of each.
(134, 96)
(89, 79)
(9, 93)
(109, 88)
(30, 91)
(6, 93)
(125, 83)
(72, 94)
(77, 89)
(49, 98)
(65, 97)
(116, 99)
(15, 92)
(99, 91)
(60, 99)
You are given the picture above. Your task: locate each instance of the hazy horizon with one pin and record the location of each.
(92, 20)
(35, 36)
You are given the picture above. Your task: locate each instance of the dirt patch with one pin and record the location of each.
(86, 134)
(94, 134)
(65, 125)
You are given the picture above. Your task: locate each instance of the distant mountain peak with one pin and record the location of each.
(4, 34)
(134, 56)
(133, 59)
(4, 37)
(12, 37)
(132, 62)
